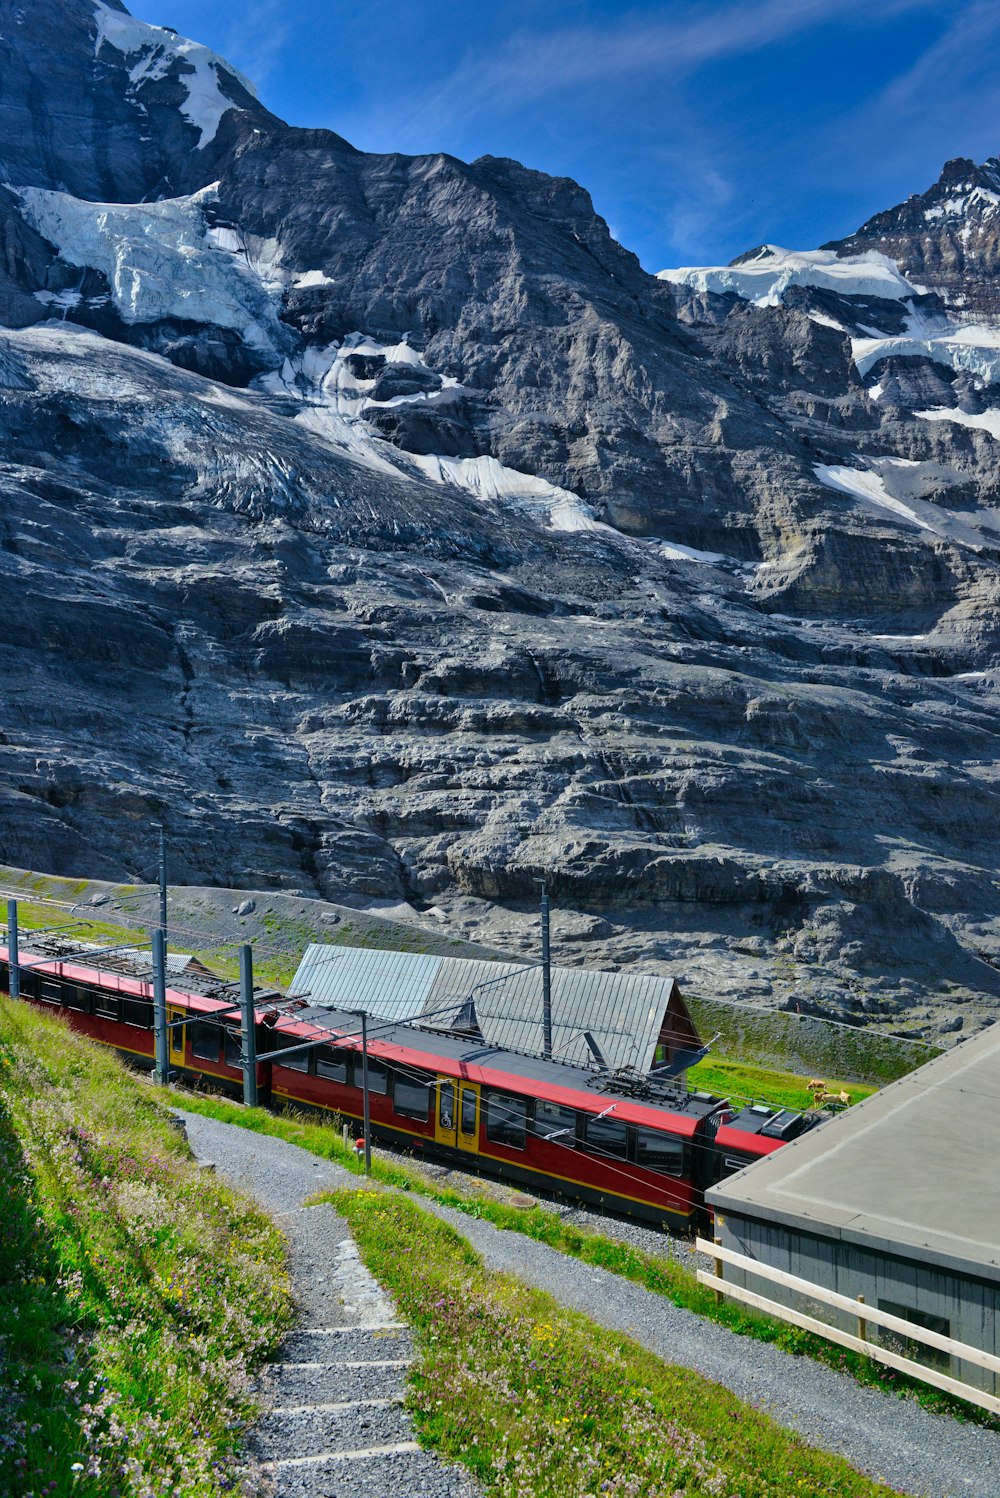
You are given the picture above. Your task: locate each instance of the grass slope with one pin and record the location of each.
(663, 1273)
(137, 1293)
(766, 1084)
(536, 1399)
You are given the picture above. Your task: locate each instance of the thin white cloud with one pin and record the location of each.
(532, 66)
(255, 41)
(947, 103)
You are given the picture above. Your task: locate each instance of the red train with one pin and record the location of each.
(633, 1145)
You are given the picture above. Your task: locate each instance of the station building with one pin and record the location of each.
(896, 1200)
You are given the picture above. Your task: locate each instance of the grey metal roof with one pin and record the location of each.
(624, 1012)
(911, 1170)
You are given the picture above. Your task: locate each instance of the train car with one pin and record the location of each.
(632, 1144)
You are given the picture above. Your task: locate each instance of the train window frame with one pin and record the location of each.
(599, 1149)
(378, 1077)
(331, 1056)
(502, 1130)
(560, 1129)
(678, 1147)
(232, 1046)
(419, 1088)
(199, 1028)
(299, 1063)
(133, 1003)
(49, 991)
(107, 1005)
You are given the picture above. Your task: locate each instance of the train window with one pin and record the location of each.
(411, 1095)
(205, 1040)
(49, 992)
(137, 1012)
(296, 1063)
(554, 1122)
(106, 1005)
(332, 1064)
(506, 1119)
(606, 1136)
(378, 1076)
(468, 1119)
(446, 1106)
(656, 1151)
(233, 1046)
(29, 985)
(4, 976)
(76, 998)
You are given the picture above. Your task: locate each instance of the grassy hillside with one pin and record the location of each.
(137, 1293)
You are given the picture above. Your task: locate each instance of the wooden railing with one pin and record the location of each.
(864, 1314)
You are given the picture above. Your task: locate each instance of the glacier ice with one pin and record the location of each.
(159, 261)
(764, 279)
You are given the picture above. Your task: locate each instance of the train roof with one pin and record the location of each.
(635, 1099)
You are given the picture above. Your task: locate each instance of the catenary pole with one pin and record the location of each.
(163, 886)
(249, 1048)
(366, 1111)
(162, 1060)
(546, 977)
(13, 953)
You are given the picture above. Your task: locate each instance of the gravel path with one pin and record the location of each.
(925, 1455)
(334, 1426)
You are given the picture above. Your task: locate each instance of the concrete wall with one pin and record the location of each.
(969, 1303)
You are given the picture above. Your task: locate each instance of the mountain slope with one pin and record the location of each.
(380, 526)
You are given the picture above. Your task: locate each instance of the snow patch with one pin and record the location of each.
(157, 50)
(313, 278)
(987, 421)
(159, 261)
(869, 487)
(486, 478)
(827, 322)
(766, 278)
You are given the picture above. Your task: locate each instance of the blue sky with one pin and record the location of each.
(700, 129)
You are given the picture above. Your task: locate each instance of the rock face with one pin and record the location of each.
(948, 236)
(381, 527)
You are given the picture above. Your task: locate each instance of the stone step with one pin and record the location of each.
(314, 1383)
(312, 1434)
(399, 1471)
(346, 1343)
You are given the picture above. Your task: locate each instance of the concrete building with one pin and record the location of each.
(896, 1199)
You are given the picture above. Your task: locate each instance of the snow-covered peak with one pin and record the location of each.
(968, 201)
(765, 275)
(156, 50)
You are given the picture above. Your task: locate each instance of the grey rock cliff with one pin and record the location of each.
(379, 525)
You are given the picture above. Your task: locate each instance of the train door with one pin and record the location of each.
(456, 1122)
(176, 1037)
(468, 1117)
(446, 1113)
